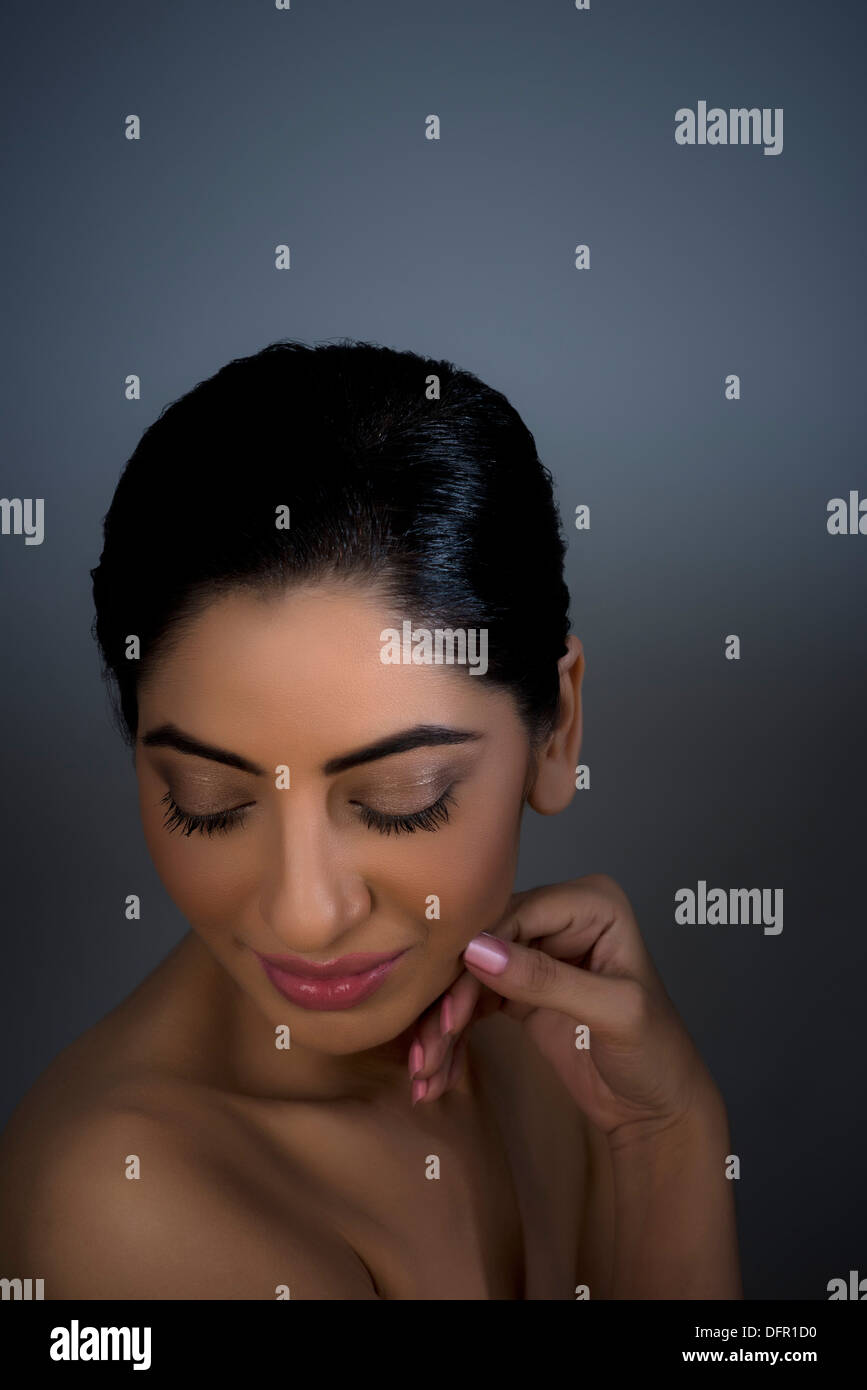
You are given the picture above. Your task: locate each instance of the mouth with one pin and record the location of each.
(334, 984)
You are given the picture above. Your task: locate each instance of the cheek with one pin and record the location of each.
(470, 868)
(482, 869)
(484, 858)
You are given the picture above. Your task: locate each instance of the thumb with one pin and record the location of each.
(531, 976)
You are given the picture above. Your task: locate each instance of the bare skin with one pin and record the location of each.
(265, 1170)
(243, 1195)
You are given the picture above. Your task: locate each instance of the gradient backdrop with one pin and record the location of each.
(708, 516)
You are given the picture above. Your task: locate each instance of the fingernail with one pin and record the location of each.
(488, 953)
(447, 1017)
(416, 1057)
(418, 1089)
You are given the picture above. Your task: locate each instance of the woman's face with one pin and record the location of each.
(315, 866)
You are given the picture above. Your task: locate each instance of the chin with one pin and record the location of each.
(352, 1030)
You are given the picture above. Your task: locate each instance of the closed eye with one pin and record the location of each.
(429, 818)
(386, 823)
(207, 824)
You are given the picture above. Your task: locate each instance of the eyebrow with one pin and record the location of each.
(419, 736)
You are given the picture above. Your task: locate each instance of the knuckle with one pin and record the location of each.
(541, 969)
(606, 900)
(606, 885)
(635, 1007)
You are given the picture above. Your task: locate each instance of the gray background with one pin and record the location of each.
(708, 517)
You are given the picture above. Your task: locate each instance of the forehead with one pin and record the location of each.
(251, 672)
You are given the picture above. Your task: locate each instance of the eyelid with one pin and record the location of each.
(220, 810)
(432, 790)
(428, 817)
(205, 822)
(394, 781)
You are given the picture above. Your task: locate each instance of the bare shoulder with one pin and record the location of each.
(123, 1188)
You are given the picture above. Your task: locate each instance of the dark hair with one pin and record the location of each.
(439, 498)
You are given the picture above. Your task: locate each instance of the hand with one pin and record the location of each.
(575, 956)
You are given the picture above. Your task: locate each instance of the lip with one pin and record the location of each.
(333, 984)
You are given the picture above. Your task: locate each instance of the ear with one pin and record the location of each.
(553, 786)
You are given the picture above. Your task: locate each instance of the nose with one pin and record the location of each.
(313, 895)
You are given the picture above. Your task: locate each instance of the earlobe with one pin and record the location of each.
(554, 784)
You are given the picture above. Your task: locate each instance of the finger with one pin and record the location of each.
(588, 921)
(443, 1023)
(459, 1003)
(462, 1005)
(429, 1048)
(530, 976)
(449, 1075)
(437, 1082)
(459, 1052)
(432, 1040)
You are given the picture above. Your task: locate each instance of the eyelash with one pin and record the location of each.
(188, 821)
(429, 818)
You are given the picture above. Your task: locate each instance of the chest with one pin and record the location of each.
(430, 1205)
(474, 1197)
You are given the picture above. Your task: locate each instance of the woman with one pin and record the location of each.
(331, 606)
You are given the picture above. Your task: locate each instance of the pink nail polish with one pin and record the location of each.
(418, 1090)
(416, 1057)
(447, 1017)
(488, 953)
